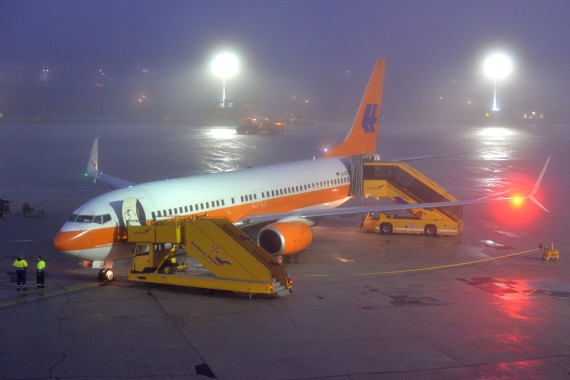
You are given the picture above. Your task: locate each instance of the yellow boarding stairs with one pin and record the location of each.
(402, 184)
(210, 253)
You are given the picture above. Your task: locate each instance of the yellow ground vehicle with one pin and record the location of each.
(404, 185)
(209, 253)
(549, 253)
(386, 224)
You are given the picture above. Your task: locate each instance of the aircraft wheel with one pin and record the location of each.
(386, 228)
(430, 230)
(105, 275)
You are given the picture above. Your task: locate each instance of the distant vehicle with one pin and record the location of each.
(251, 126)
(301, 119)
(4, 208)
(29, 210)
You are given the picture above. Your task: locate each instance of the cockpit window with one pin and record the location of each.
(99, 219)
(84, 219)
(102, 219)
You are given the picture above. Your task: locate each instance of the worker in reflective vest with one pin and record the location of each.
(41, 272)
(21, 266)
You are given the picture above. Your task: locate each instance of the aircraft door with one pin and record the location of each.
(133, 212)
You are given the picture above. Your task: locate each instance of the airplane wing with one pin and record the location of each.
(316, 213)
(95, 174)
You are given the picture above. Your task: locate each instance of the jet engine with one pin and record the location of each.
(285, 238)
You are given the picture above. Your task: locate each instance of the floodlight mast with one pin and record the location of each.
(224, 65)
(497, 66)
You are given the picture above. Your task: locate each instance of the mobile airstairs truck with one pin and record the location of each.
(209, 253)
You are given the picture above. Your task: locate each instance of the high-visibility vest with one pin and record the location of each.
(41, 265)
(20, 264)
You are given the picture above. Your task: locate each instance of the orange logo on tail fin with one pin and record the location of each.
(361, 138)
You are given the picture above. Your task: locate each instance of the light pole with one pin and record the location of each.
(497, 66)
(224, 65)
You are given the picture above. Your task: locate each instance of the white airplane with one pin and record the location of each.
(288, 196)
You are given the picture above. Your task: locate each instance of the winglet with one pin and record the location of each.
(95, 174)
(362, 137)
(93, 163)
(537, 185)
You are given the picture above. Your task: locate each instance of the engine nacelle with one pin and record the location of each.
(285, 238)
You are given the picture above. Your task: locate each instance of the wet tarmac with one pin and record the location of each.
(483, 304)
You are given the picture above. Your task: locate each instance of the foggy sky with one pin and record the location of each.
(320, 50)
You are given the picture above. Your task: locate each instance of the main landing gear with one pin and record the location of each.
(106, 275)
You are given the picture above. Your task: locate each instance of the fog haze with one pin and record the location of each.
(96, 59)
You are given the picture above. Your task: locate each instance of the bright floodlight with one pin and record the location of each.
(497, 66)
(224, 65)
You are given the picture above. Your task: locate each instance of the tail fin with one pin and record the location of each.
(362, 137)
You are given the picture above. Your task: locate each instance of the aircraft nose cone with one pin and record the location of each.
(66, 241)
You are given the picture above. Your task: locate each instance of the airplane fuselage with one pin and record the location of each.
(95, 230)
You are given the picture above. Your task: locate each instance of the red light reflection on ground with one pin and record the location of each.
(516, 301)
(515, 305)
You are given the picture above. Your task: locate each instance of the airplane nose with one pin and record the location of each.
(69, 241)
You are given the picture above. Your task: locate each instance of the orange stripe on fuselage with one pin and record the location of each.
(107, 236)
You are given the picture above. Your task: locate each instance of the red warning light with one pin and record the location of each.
(518, 201)
(518, 211)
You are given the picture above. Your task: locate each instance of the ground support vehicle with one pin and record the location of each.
(404, 185)
(254, 126)
(4, 208)
(549, 253)
(386, 224)
(29, 210)
(210, 253)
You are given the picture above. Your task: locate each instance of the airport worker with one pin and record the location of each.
(41, 273)
(21, 266)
